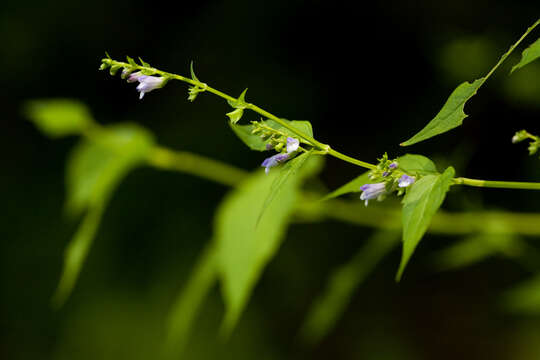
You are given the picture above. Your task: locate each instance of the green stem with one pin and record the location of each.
(197, 165)
(505, 55)
(497, 184)
(310, 208)
(324, 148)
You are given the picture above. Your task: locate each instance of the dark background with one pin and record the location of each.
(368, 75)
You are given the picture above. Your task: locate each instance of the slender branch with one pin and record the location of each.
(325, 148)
(374, 216)
(497, 184)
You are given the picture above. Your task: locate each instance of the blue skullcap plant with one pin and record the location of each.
(269, 200)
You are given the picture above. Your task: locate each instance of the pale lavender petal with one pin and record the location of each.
(274, 161)
(149, 83)
(393, 165)
(292, 144)
(405, 180)
(372, 191)
(134, 77)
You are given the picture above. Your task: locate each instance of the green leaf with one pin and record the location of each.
(420, 203)
(343, 282)
(524, 298)
(131, 61)
(76, 253)
(451, 115)
(528, 55)
(235, 115)
(189, 301)
(59, 117)
(245, 247)
(254, 141)
(93, 171)
(96, 166)
(239, 105)
(416, 164)
(145, 64)
(285, 173)
(352, 186)
(193, 77)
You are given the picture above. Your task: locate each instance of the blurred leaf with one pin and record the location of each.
(420, 203)
(59, 117)
(188, 302)
(451, 115)
(76, 252)
(528, 55)
(416, 164)
(254, 141)
(352, 186)
(285, 172)
(95, 168)
(330, 305)
(244, 248)
(524, 298)
(477, 248)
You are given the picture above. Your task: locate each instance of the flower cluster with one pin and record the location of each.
(389, 178)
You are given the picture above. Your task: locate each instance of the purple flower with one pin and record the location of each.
(393, 165)
(274, 160)
(372, 191)
(385, 174)
(405, 180)
(292, 144)
(147, 83)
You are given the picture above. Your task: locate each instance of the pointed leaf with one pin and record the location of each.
(285, 173)
(243, 248)
(352, 186)
(343, 282)
(93, 171)
(451, 115)
(187, 305)
(529, 55)
(419, 205)
(59, 117)
(131, 61)
(193, 72)
(235, 115)
(76, 253)
(96, 167)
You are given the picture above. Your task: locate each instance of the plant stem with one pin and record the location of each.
(325, 148)
(497, 184)
(311, 209)
(505, 55)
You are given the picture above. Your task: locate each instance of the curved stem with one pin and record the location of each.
(317, 144)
